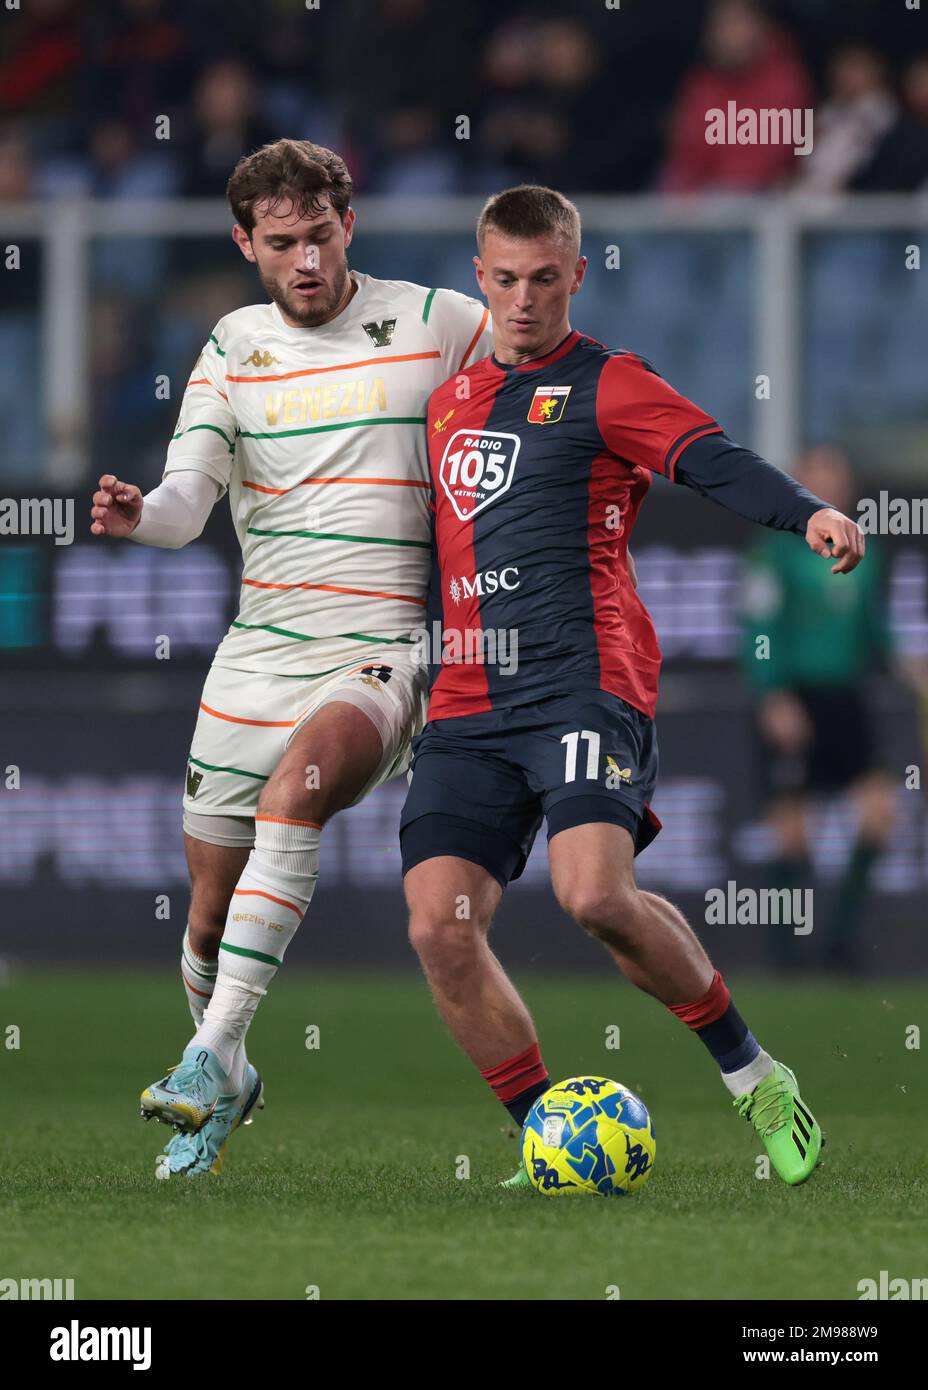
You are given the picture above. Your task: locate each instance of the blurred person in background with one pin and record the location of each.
(40, 71)
(549, 108)
(757, 65)
(417, 158)
(123, 407)
(859, 110)
(900, 162)
(396, 130)
(225, 122)
(19, 325)
(815, 729)
(139, 57)
(293, 60)
(123, 166)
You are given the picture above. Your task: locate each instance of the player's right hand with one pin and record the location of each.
(835, 536)
(117, 508)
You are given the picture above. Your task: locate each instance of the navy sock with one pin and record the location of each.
(718, 1024)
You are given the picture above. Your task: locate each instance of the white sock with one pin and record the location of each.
(267, 906)
(742, 1081)
(237, 1068)
(194, 967)
(199, 977)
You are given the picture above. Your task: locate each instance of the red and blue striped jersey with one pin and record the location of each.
(538, 472)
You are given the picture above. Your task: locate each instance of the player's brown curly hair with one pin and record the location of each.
(294, 171)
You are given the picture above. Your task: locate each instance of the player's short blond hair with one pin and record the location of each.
(291, 171)
(529, 211)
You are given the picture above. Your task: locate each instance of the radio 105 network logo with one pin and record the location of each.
(476, 469)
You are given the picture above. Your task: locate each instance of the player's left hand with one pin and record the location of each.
(837, 537)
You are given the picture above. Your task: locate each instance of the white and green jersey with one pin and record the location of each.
(318, 434)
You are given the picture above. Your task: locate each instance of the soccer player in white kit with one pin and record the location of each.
(309, 412)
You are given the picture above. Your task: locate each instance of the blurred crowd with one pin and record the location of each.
(583, 96)
(586, 95)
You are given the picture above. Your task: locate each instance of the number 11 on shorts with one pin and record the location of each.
(592, 754)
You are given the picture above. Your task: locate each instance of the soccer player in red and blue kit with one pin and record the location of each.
(541, 456)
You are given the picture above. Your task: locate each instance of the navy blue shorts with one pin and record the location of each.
(482, 784)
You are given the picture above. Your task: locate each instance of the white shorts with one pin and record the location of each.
(247, 719)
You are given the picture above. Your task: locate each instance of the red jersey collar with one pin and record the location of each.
(534, 363)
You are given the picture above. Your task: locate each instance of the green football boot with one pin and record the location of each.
(519, 1179)
(790, 1132)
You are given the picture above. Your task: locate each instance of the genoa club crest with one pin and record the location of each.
(547, 405)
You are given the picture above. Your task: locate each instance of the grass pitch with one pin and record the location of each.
(347, 1182)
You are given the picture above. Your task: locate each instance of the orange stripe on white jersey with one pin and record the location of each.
(322, 482)
(475, 339)
(202, 381)
(258, 723)
(336, 589)
(344, 366)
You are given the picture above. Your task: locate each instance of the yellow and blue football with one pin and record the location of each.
(588, 1134)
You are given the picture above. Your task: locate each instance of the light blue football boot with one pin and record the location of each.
(187, 1096)
(197, 1154)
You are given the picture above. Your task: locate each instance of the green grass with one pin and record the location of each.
(347, 1180)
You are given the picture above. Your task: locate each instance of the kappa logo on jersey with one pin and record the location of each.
(260, 359)
(440, 424)
(193, 782)
(547, 405)
(476, 468)
(486, 582)
(380, 334)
